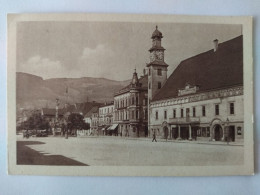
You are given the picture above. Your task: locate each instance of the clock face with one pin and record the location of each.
(159, 55)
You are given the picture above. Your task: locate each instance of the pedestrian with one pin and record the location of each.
(154, 136)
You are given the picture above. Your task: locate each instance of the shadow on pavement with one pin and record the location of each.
(28, 156)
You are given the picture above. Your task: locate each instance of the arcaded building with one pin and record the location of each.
(203, 98)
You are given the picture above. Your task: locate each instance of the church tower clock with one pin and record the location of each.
(157, 68)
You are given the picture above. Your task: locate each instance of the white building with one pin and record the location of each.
(202, 98)
(106, 113)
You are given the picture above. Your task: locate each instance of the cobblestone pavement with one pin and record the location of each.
(96, 151)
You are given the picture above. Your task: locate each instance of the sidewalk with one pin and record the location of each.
(169, 140)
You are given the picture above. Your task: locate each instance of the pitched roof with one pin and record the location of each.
(94, 109)
(143, 80)
(209, 70)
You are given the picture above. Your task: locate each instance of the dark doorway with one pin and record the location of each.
(184, 132)
(166, 132)
(174, 133)
(145, 131)
(232, 133)
(218, 131)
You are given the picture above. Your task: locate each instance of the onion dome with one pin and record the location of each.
(157, 33)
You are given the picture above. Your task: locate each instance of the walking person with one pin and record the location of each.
(154, 136)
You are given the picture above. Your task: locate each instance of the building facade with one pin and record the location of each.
(106, 118)
(202, 98)
(131, 112)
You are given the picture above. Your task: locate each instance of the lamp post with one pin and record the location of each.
(56, 114)
(227, 129)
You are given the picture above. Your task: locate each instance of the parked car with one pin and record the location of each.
(42, 133)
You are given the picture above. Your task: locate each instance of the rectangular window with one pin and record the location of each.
(217, 109)
(239, 131)
(174, 113)
(156, 115)
(203, 110)
(181, 113)
(136, 100)
(232, 108)
(133, 114)
(194, 111)
(187, 112)
(136, 114)
(165, 114)
(159, 85)
(159, 72)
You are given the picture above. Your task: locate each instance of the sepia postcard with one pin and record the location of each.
(130, 95)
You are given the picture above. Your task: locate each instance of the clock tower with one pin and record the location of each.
(157, 68)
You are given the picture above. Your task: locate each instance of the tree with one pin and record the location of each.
(75, 121)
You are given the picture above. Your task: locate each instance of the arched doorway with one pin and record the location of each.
(218, 132)
(166, 132)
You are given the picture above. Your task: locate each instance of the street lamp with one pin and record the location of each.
(227, 129)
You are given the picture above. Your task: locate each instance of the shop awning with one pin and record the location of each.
(113, 127)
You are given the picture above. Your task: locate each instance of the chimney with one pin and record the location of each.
(215, 45)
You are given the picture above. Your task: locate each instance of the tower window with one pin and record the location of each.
(232, 108)
(159, 72)
(159, 85)
(216, 109)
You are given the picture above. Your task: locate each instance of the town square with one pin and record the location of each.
(156, 113)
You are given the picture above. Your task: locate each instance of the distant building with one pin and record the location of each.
(106, 120)
(202, 98)
(131, 114)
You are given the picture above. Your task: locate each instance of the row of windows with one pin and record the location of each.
(106, 110)
(129, 101)
(203, 111)
(134, 114)
(159, 72)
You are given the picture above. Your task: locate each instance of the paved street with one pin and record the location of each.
(119, 151)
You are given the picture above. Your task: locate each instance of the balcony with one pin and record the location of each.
(184, 120)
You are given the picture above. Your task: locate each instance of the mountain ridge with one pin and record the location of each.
(35, 92)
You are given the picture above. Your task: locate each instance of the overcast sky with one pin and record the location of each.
(108, 50)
